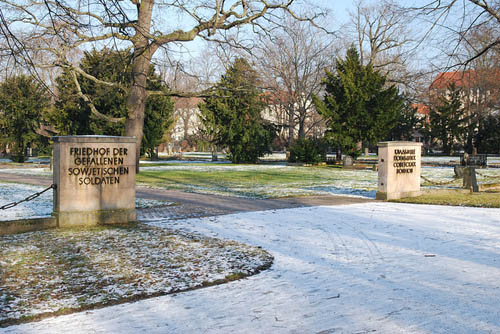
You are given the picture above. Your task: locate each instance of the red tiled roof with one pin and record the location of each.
(421, 108)
(459, 78)
(467, 79)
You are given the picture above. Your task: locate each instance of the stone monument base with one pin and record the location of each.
(95, 180)
(396, 195)
(98, 217)
(399, 165)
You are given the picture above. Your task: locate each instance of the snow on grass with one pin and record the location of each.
(262, 181)
(453, 160)
(59, 270)
(28, 171)
(363, 268)
(12, 192)
(268, 181)
(271, 181)
(42, 206)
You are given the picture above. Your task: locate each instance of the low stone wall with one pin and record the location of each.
(105, 217)
(27, 225)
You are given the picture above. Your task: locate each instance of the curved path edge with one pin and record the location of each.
(189, 205)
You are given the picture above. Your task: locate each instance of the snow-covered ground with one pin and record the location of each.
(316, 181)
(12, 192)
(363, 268)
(42, 205)
(454, 160)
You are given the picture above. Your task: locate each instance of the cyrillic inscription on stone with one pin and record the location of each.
(399, 169)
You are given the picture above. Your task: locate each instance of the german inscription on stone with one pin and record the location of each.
(98, 165)
(95, 179)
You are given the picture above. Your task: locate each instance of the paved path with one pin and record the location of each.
(364, 268)
(203, 205)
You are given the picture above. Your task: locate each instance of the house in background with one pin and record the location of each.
(187, 117)
(292, 115)
(422, 112)
(480, 90)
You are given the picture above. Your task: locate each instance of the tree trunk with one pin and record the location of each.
(136, 105)
(291, 127)
(302, 130)
(143, 52)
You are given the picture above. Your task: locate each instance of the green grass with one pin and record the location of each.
(457, 198)
(255, 181)
(214, 178)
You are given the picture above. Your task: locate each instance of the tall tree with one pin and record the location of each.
(293, 62)
(60, 27)
(450, 23)
(408, 122)
(384, 39)
(357, 104)
(448, 121)
(73, 116)
(22, 101)
(233, 116)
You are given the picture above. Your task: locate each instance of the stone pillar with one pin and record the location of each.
(95, 180)
(398, 169)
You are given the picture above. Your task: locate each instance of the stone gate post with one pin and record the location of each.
(399, 165)
(95, 180)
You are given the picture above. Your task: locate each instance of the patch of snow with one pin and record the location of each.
(27, 171)
(73, 268)
(13, 192)
(363, 268)
(42, 206)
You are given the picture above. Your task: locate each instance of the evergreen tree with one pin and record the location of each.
(158, 120)
(488, 135)
(448, 121)
(72, 115)
(22, 101)
(407, 123)
(357, 105)
(232, 117)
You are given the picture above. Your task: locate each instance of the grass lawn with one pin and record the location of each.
(272, 181)
(258, 181)
(458, 198)
(60, 271)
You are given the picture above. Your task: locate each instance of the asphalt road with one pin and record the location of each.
(202, 205)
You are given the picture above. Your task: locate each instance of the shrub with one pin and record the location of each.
(307, 151)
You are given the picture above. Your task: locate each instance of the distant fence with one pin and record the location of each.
(476, 160)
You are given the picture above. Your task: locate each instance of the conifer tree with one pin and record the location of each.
(72, 115)
(407, 123)
(487, 139)
(22, 101)
(232, 117)
(448, 122)
(357, 105)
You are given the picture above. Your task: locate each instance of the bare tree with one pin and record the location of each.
(144, 26)
(384, 39)
(467, 36)
(292, 63)
(450, 23)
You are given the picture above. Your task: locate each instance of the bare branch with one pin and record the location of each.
(93, 109)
